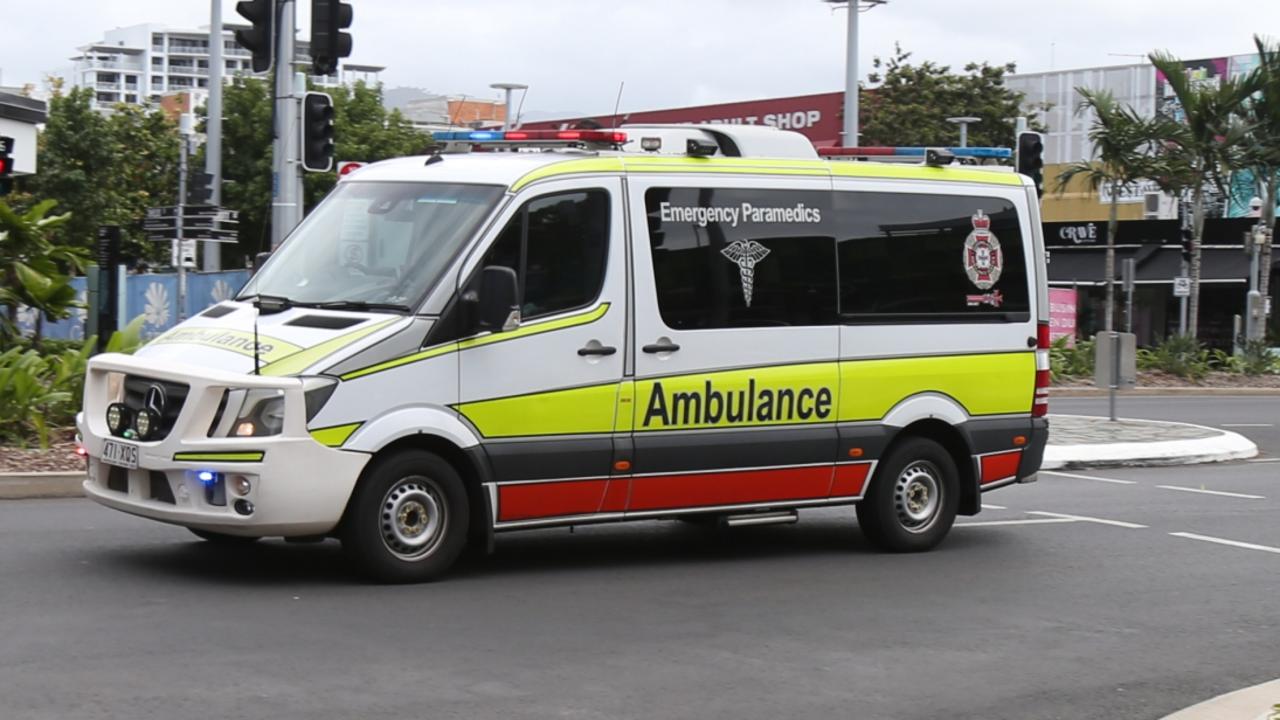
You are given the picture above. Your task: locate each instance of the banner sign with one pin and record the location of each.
(1062, 315)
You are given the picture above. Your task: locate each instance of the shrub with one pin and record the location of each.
(1180, 355)
(1257, 358)
(1071, 361)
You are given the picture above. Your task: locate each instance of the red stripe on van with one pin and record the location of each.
(731, 487)
(850, 479)
(550, 499)
(1000, 466)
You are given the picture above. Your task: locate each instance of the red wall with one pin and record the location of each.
(817, 117)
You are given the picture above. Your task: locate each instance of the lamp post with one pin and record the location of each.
(854, 7)
(964, 122)
(507, 122)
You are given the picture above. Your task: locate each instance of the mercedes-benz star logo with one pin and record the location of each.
(155, 400)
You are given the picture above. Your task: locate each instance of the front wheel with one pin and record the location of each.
(408, 519)
(913, 498)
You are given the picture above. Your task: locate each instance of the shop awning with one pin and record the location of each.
(1085, 266)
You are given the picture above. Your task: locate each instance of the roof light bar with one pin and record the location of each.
(510, 137)
(973, 152)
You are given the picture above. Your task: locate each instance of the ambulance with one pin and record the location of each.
(532, 329)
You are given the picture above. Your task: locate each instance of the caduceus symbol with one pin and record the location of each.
(746, 253)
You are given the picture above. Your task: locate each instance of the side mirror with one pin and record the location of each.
(258, 261)
(499, 308)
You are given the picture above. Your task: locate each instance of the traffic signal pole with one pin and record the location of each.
(212, 259)
(286, 196)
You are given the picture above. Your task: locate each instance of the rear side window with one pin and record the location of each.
(929, 258)
(725, 258)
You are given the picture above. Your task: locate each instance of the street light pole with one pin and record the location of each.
(964, 122)
(508, 123)
(213, 127)
(854, 7)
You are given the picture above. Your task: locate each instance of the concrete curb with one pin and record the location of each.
(24, 486)
(1071, 392)
(1223, 446)
(1251, 703)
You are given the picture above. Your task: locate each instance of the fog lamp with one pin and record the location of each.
(240, 485)
(146, 423)
(117, 417)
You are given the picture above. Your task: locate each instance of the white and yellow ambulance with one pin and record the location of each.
(568, 327)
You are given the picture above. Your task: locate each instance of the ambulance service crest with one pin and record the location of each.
(983, 261)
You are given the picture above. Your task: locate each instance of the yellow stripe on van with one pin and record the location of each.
(921, 172)
(533, 328)
(248, 456)
(991, 384)
(270, 349)
(335, 435)
(560, 412)
(300, 361)
(570, 167)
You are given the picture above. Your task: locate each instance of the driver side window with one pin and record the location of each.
(557, 244)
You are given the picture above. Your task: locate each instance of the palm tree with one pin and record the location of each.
(33, 267)
(1262, 153)
(1203, 148)
(1123, 155)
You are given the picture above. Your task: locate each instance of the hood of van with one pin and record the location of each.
(288, 343)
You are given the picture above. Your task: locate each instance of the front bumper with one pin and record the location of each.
(298, 486)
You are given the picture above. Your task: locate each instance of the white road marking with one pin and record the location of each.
(1211, 492)
(1085, 518)
(1262, 460)
(1090, 477)
(1025, 521)
(989, 506)
(1223, 541)
(1247, 425)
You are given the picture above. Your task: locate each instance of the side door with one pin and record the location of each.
(543, 397)
(736, 342)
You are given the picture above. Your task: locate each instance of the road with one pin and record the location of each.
(1123, 593)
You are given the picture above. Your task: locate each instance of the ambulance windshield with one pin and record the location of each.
(375, 243)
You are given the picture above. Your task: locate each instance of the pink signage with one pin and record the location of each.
(1062, 315)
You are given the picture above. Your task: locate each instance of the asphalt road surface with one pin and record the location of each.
(1098, 594)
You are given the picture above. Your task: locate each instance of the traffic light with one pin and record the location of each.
(6, 165)
(328, 43)
(1186, 244)
(201, 190)
(317, 132)
(259, 38)
(1030, 158)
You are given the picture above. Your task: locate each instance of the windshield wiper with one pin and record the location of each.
(359, 305)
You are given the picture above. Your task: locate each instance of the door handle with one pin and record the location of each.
(597, 350)
(661, 347)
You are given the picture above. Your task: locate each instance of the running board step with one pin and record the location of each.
(770, 518)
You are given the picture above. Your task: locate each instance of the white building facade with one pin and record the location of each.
(139, 64)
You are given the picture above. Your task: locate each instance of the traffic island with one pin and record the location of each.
(1252, 703)
(1079, 441)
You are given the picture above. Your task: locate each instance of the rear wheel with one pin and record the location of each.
(913, 498)
(223, 539)
(408, 519)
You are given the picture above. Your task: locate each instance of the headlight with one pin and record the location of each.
(261, 413)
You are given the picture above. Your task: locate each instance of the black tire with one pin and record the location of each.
(223, 539)
(408, 519)
(912, 502)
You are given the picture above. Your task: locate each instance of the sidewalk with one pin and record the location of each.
(1078, 441)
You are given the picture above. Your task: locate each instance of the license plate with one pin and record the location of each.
(120, 454)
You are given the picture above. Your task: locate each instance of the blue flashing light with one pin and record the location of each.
(974, 152)
(206, 476)
(469, 136)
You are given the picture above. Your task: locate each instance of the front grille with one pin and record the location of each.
(175, 395)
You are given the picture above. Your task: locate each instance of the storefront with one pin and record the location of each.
(1077, 259)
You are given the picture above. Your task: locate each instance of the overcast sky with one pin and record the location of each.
(574, 53)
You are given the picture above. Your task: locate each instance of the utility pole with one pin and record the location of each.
(964, 123)
(508, 122)
(179, 245)
(854, 7)
(213, 127)
(286, 201)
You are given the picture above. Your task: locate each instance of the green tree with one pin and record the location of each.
(1124, 145)
(1204, 148)
(35, 269)
(910, 103)
(146, 174)
(77, 165)
(1262, 150)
